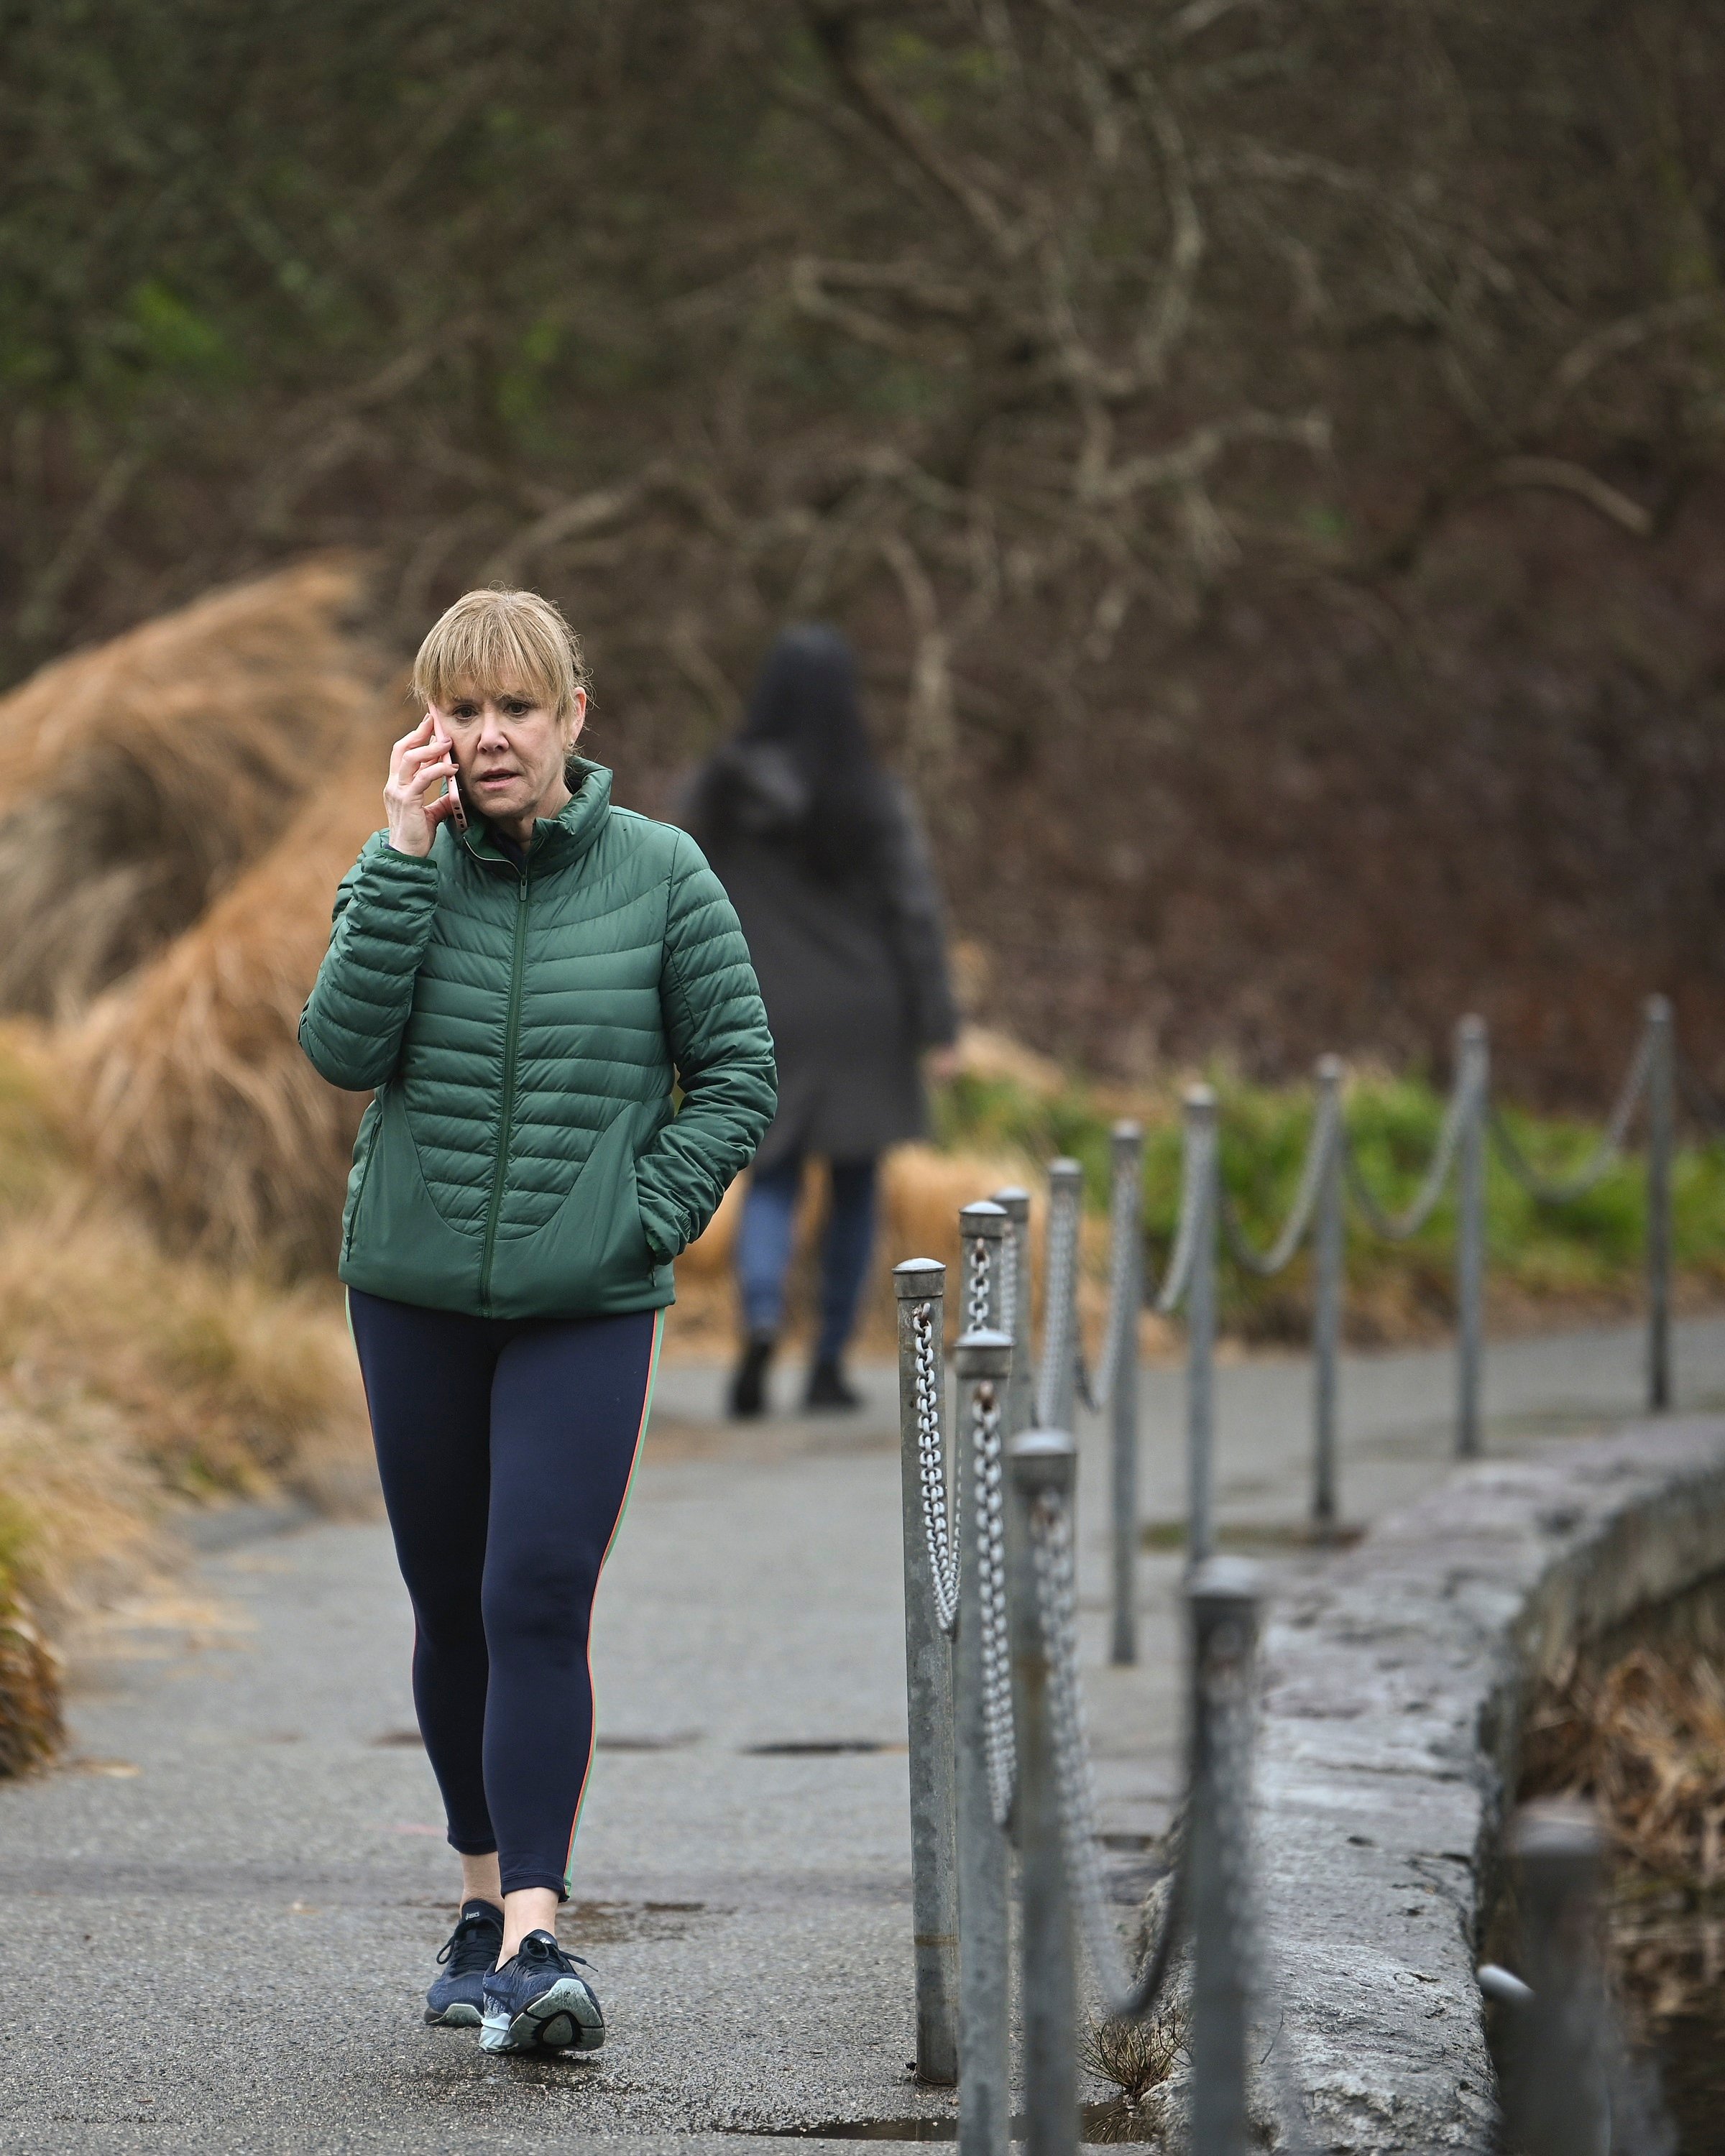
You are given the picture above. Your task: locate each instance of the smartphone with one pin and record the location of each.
(452, 789)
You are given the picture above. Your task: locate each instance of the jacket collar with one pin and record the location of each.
(559, 840)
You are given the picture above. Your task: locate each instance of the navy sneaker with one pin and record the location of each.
(456, 2001)
(536, 2002)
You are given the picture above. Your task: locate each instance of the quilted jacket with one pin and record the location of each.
(524, 1026)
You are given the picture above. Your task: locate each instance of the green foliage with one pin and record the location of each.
(1591, 1248)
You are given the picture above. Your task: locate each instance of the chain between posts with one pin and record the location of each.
(1606, 1154)
(1198, 1165)
(1326, 1134)
(1129, 1994)
(939, 1524)
(1062, 1352)
(1126, 1206)
(987, 1473)
(1464, 1098)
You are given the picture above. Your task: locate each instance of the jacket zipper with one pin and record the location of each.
(512, 1043)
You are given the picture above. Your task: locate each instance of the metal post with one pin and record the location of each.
(1057, 1397)
(984, 2106)
(1041, 1459)
(1020, 1388)
(921, 1283)
(982, 1235)
(1223, 1601)
(1473, 1060)
(1126, 1287)
(1201, 1326)
(1661, 1131)
(1328, 1256)
(1558, 2090)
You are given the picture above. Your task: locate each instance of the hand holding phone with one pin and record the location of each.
(452, 791)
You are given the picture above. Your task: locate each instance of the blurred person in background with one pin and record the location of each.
(521, 971)
(821, 852)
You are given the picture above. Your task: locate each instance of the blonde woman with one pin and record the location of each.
(524, 972)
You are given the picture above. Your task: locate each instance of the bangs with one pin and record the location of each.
(492, 643)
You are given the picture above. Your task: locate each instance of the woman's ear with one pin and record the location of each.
(574, 720)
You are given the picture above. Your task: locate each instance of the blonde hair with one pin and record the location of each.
(495, 640)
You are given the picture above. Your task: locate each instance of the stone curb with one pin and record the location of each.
(1392, 1688)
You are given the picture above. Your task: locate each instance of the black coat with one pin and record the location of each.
(853, 968)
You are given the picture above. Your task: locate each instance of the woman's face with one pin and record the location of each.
(509, 752)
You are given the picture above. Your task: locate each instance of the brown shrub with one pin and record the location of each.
(1647, 1740)
(195, 1094)
(137, 779)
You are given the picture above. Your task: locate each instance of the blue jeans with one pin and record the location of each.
(764, 1249)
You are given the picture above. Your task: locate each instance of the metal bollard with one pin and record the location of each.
(1473, 1058)
(1556, 2091)
(1201, 1329)
(1057, 1387)
(981, 1235)
(1328, 1258)
(984, 2094)
(1223, 1604)
(921, 1283)
(1126, 1259)
(1041, 1459)
(1020, 1388)
(1662, 1134)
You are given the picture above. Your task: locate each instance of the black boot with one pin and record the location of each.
(827, 1387)
(748, 1387)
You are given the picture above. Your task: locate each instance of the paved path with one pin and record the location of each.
(220, 1918)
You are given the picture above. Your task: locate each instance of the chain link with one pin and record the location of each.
(1129, 1995)
(977, 1300)
(1000, 1731)
(1199, 1168)
(1007, 1318)
(1606, 1154)
(1326, 1129)
(1401, 1227)
(1125, 1236)
(1058, 1346)
(941, 1528)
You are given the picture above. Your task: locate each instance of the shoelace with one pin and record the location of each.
(468, 1947)
(536, 1948)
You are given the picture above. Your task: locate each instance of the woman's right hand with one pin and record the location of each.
(419, 763)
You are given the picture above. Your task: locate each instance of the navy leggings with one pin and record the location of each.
(506, 1449)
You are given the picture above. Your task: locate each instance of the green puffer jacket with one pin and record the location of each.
(523, 1028)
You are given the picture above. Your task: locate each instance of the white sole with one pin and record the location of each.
(565, 2017)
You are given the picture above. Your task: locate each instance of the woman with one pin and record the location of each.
(822, 856)
(522, 993)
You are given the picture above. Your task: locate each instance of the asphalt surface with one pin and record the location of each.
(220, 1913)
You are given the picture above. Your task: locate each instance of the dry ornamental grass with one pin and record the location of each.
(1646, 1741)
(138, 778)
(196, 1096)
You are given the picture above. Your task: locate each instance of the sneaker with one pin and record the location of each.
(827, 1388)
(536, 2002)
(455, 2000)
(749, 1386)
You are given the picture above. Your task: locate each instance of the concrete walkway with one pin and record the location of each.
(221, 1917)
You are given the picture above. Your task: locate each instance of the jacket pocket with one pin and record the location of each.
(592, 1256)
(363, 1152)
